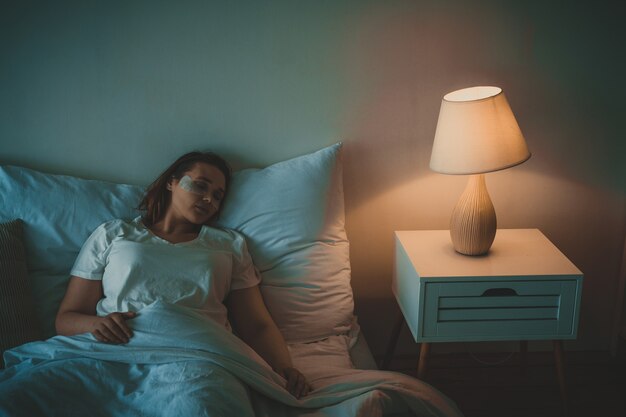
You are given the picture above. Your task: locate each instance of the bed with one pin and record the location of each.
(292, 215)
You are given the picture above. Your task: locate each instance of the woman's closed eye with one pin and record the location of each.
(200, 187)
(203, 188)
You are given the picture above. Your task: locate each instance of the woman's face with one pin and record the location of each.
(198, 195)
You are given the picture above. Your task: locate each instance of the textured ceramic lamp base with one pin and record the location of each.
(473, 223)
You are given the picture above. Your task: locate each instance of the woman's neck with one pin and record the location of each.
(175, 231)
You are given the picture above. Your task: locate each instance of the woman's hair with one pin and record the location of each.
(157, 197)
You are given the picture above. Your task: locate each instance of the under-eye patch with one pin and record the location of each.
(194, 187)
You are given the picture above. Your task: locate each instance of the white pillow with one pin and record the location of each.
(59, 213)
(292, 214)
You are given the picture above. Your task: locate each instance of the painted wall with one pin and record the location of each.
(117, 89)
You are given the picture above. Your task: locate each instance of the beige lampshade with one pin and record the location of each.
(477, 133)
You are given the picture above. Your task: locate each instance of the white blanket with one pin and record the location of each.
(179, 364)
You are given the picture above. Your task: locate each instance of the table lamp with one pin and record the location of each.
(476, 133)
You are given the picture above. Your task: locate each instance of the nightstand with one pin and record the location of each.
(523, 289)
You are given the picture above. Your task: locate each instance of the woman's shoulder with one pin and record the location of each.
(110, 224)
(116, 224)
(117, 227)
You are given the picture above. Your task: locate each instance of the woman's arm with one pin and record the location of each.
(254, 324)
(77, 313)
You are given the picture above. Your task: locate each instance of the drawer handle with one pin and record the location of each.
(499, 292)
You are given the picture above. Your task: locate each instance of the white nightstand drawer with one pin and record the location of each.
(499, 309)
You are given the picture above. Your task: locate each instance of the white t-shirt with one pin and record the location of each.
(138, 268)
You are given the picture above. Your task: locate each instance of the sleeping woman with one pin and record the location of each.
(172, 254)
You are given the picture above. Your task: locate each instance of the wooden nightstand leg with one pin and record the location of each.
(421, 366)
(523, 356)
(393, 340)
(559, 361)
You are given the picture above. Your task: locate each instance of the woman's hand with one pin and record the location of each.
(112, 328)
(296, 382)
(254, 324)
